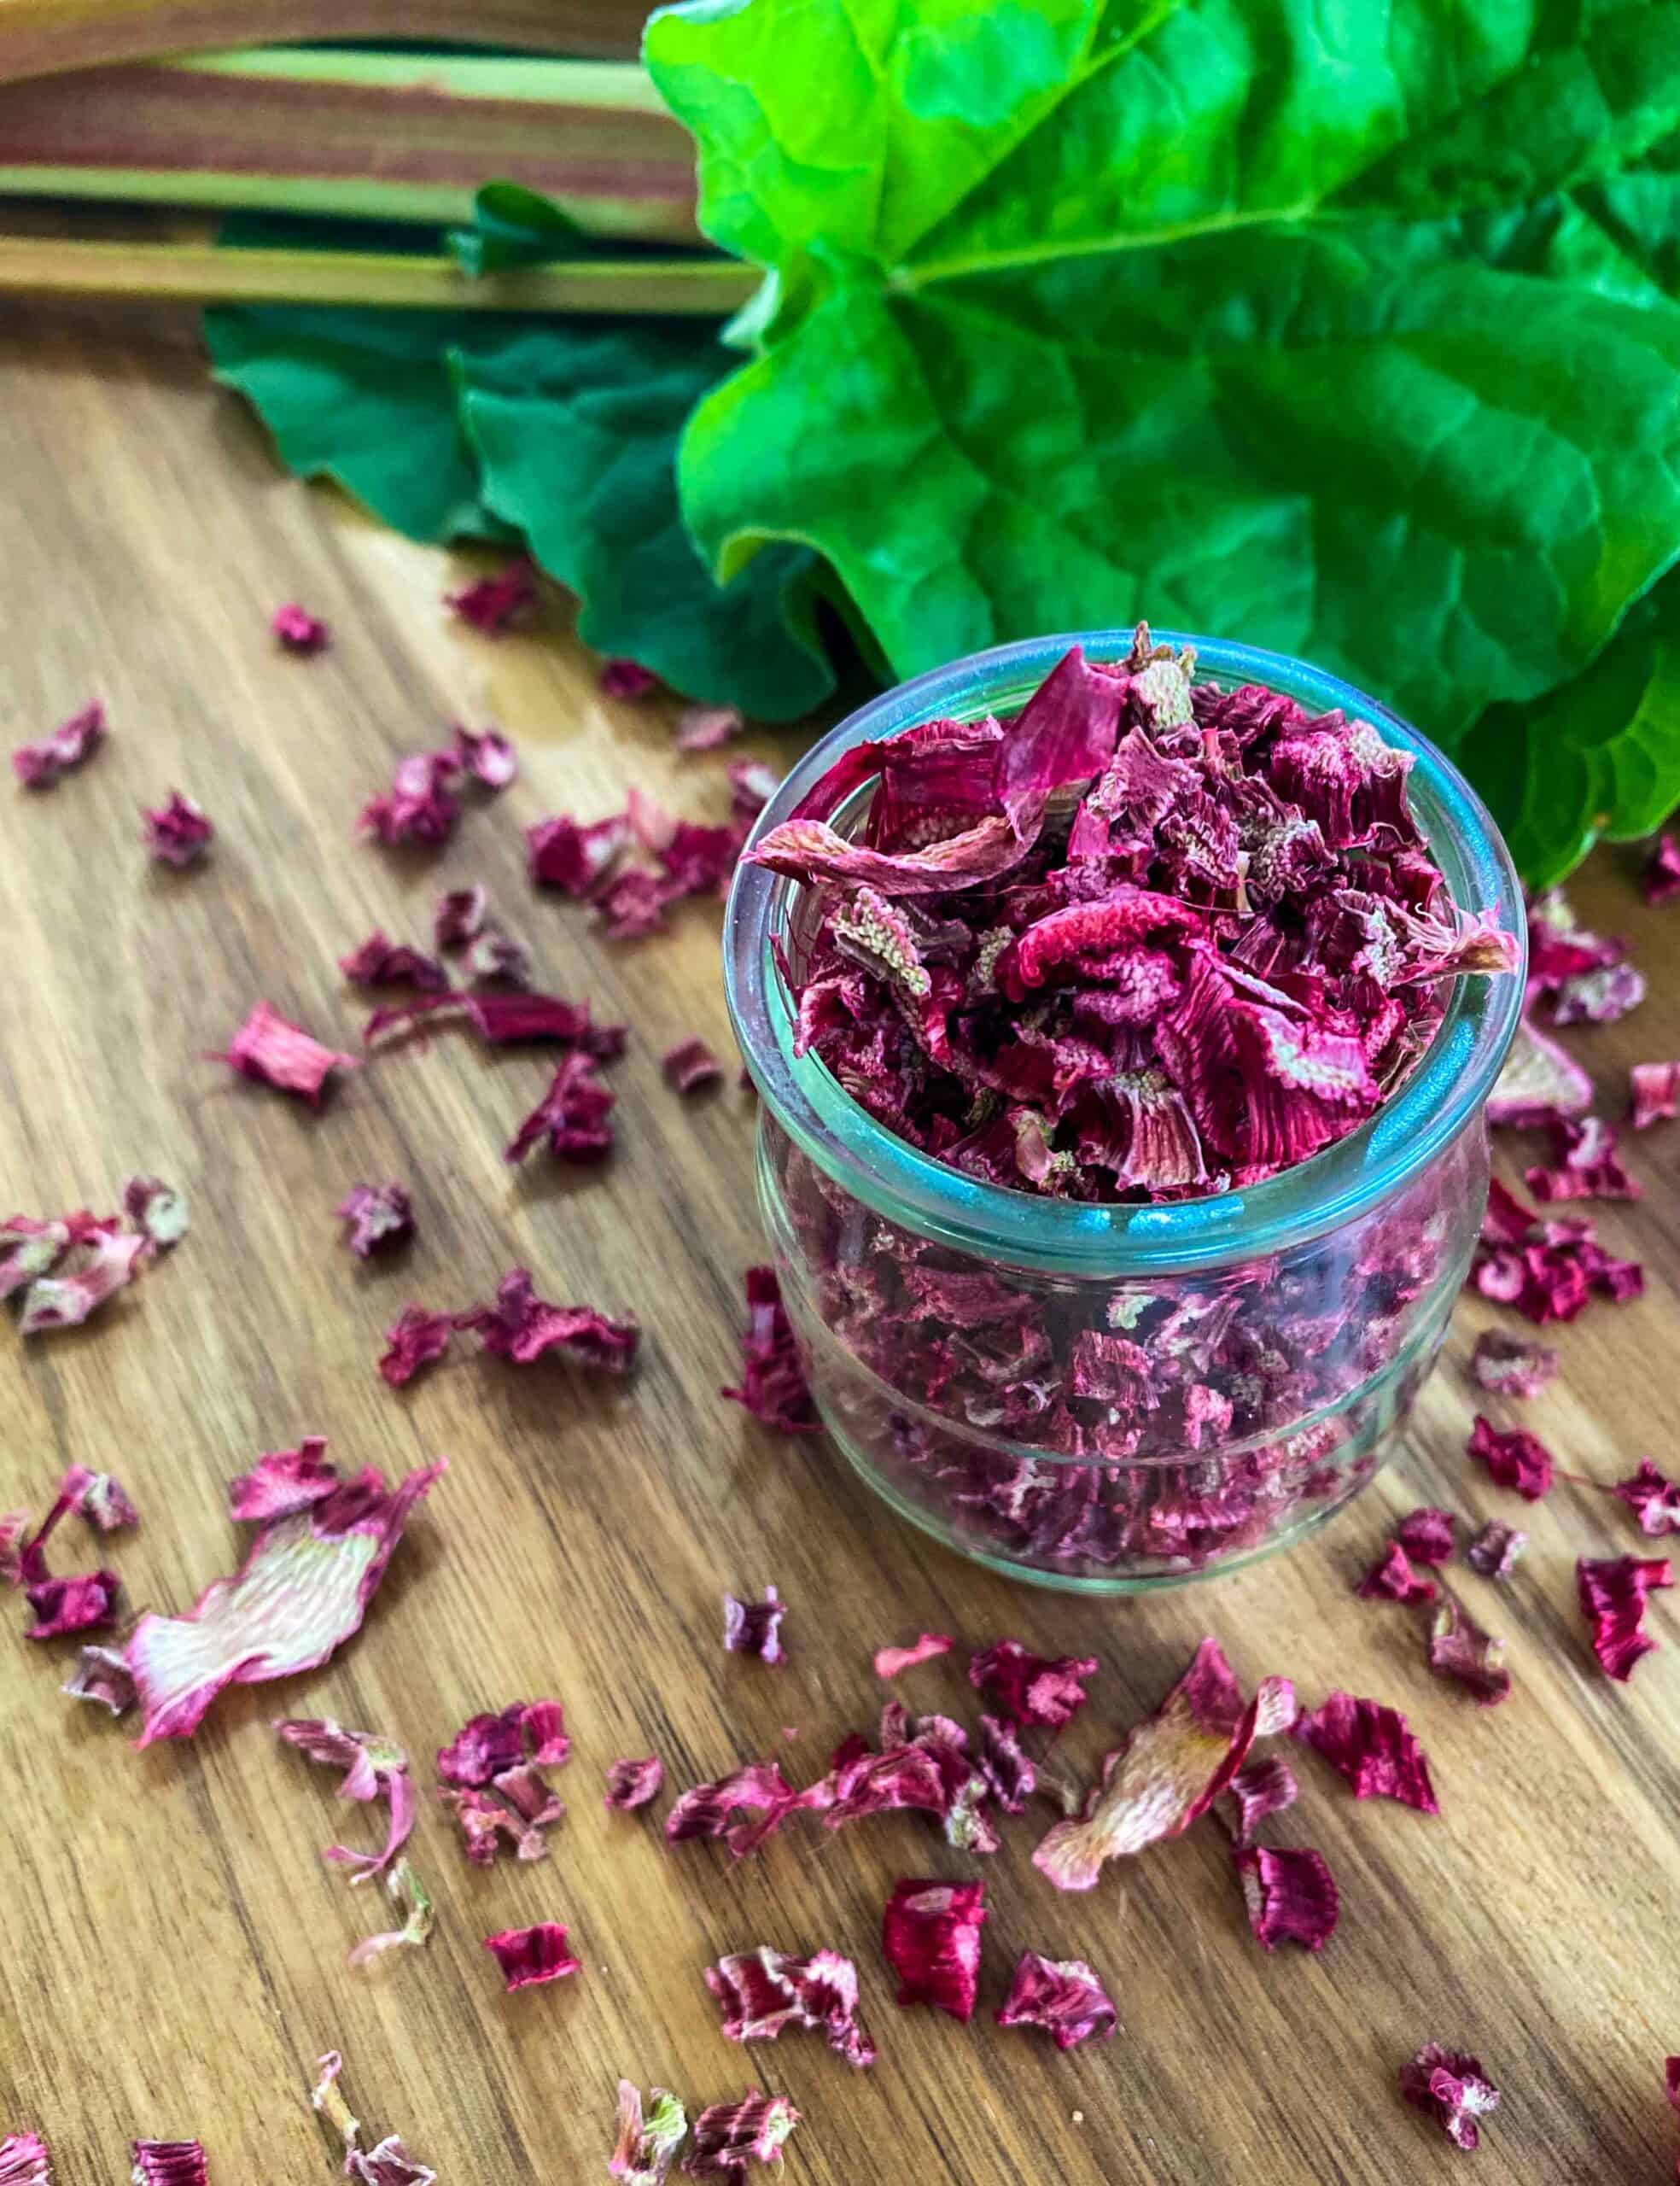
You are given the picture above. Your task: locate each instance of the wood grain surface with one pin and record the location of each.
(173, 1950)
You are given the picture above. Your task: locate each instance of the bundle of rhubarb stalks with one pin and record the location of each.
(834, 342)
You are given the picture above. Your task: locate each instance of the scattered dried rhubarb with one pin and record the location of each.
(420, 807)
(269, 1049)
(375, 1215)
(1655, 1088)
(931, 1934)
(39, 766)
(1063, 1996)
(530, 1956)
(1548, 1271)
(379, 961)
(1495, 1550)
(505, 1020)
(1460, 1649)
(493, 605)
(64, 1301)
(177, 833)
(522, 1327)
(577, 856)
(1613, 1592)
(646, 2147)
(1036, 1692)
(157, 1210)
(487, 755)
(773, 1387)
(1514, 1457)
(1585, 1164)
(1452, 2089)
(754, 1627)
(1653, 1499)
(1371, 1746)
(168, 2163)
(761, 1992)
(892, 1661)
(690, 1066)
(1394, 1580)
(631, 1784)
(1426, 1534)
(1512, 1366)
(375, 1768)
(298, 630)
(1290, 1897)
(457, 917)
(414, 1340)
(575, 1115)
(732, 2136)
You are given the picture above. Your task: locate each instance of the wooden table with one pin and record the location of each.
(173, 1958)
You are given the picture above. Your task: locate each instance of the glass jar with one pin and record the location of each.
(1273, 1338)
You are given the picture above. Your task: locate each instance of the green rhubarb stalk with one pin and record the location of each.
(41, 38)
(374, 136)
(200, 273)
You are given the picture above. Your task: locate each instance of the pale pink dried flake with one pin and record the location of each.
(154, 1208)
(707, 728)
(893, 1662)
(25, 2160)
(1655, 1087)
(487, 755)
(64, 1301)
(271, 1050)
(761, 1993)
(633, 1784)
(376, 1217)
(690, 1066)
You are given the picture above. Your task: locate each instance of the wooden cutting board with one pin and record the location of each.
(173, 1957)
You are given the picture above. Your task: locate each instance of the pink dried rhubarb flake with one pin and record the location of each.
(157, 1210)
(94, 1496)
(111, 1262)
(522, 1327)
(1371, 1746)
(379, 961)
(732, 2136)
(1258, 1789)
(39, 766)
(707, 728)
(413, 1340)
(773, 1387)
(1451, 2088)
(763, 1991)
(754, 1627)
(1063, 1996)
(930, 1935)
(505, 1020)
(168, 2163)
(25, 2160)
(1290, 1897)
(1612, 1591)
(1514, 1457)
(487, 755)
(1171, 1769)
(1655, 1089)
(302, 1591)
(1495, 1550)
(1460, 1649)
(892, 1661)
(375, 1216)
(271, 1050)
(577, 856)
(83, 1603)
(690, 1066)
(646, 2146)
(176, 833)
(494, 957)
(528, 1957)
(282, 1482)
(486, 1746)
(298, 630)
(1427, 1533)
(1393, 1579)
(1512, 1366)
(1661, 877)
(1542, 1084)
(631, 1784)
(421, 806)
(575, 1115)
(626, 678)
(493, 605)
(1011, 1777)
(101, 1675)
(1036, 1692)
(457, 917)
(375, 1768)
(924, 1765)
(29, 1247)
(1548, 1271)
(705, 1810)
(1585, 1165)
(1653, 1499)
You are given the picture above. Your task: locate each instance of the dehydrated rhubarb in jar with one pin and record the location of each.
(773, 1387)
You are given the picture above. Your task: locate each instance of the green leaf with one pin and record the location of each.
(560, 432)
(514, 226)
(1242, 314)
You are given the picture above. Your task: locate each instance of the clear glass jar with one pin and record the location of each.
(1285, 1329)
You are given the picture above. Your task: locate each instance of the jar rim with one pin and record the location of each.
(1444, 1093)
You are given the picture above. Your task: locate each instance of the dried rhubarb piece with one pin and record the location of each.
(29, 1247)
(457, 917)
(421, 805)
(177, 833)
(1290, 1897)
(1010, 1776)
(270, 1049)
(1653, 1499)
(705, 1810)
(1427, 1533)
(732, 2136)
(530, 1956)
(375, 1215)
(493, 605)
(1394, 1580)
(626, 678)
(1459, 1648)
(761, 1992)
(1372, 1746)
(1512, 1366)
(168, 2163)
(405, 1887)
(82, 1604)
(1260, 1788)
(1661, 876)
(1037, 1691)
(773, 1387)
(706, 729)
(375, 1768)
(101, 1675)
(283, 1481)
(522, 1327)
(931, 1934)
(64, 1301)
(413, 1340)
(1063, 1996)
(157, 1210)
(1655, 1087)
(95, 1496)
(105, 1504)
(487, 755)
(646, 2148)
(379, 961)
(1451, 2088)
(487, 1745)
(1542, 1084)
(575, 1115)
(1585, 1164)
(389, 2164)
(691, 1066)
(1514, 1457)
(39, 766)
(494, 956)
(892, 1662)
(1495, 1550)
(574, 855)
(298, 630)
(1601, 996)
(506, 1020)
(754, 1627)
(926, 1766)
(631, 1784)
(1612, 1591)
(1171, 1769)
(633, 905)
(25, 2160)
(302, 1591)
(1548, 1271)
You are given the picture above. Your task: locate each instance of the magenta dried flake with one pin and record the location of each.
(83, 1603)
(755, 1627)
(1372, 1746)
(39, 766)
(25, 2160)
(168, 2163)
(690, 1066)
(730, 2137)
(528, 1957)
(298, 630)
(1513, 1366)
(506, 1020)
(575, 856)
(1290, 1897)
(1585, 1165)
(1427, 1533)
(1260, 1788)
(1547, 1271)
(762, 1992)
(575, 1115)
(457, 917)
(930, 1935)
(269, 1049)
(1655, 1091)
(375, 1216)
(421, 806)
(374, 1769)
(1061, 1995)
(626, 678)
(1661, 878)
(1036, 1692)
(522, 1327)
(412, 1341)
(379, 961)
(631, 1784)
(1451, 2088)
(1495, 1550)
(1393, 1579)
(177, 833)
(487, 755)
(773, 1385)
(1460, 1649)
(1612, 1591)
(1653, 1499)
(493, 605)
(1514, 1457)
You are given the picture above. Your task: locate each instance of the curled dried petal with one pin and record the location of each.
(269, 1049)
(1452, 2088)
(892, 1661)
(772, 1388)
(522, 1327)
(1653, 1499)
(1655, 1088)
(1514, 1457)
(1372, 1746)
(1393, 1579)
(457, 917)
(177, 833)
(25, 2160)
(487, 755)
(1260, 1788)
(168, 2163)
(575, 1115)
(375, 1215)
(65, 1605)
(1062, 1995)
(1291, 1897)
(413, 1340)
(1612, 1591)
(691, 1066)
(410, 1892)
(1037, 1691)
(157, 1210)
(1459, 1648)
(530, 1956)
(577, 856)
(631, 1784)
(379, 961)
(64, 1301)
